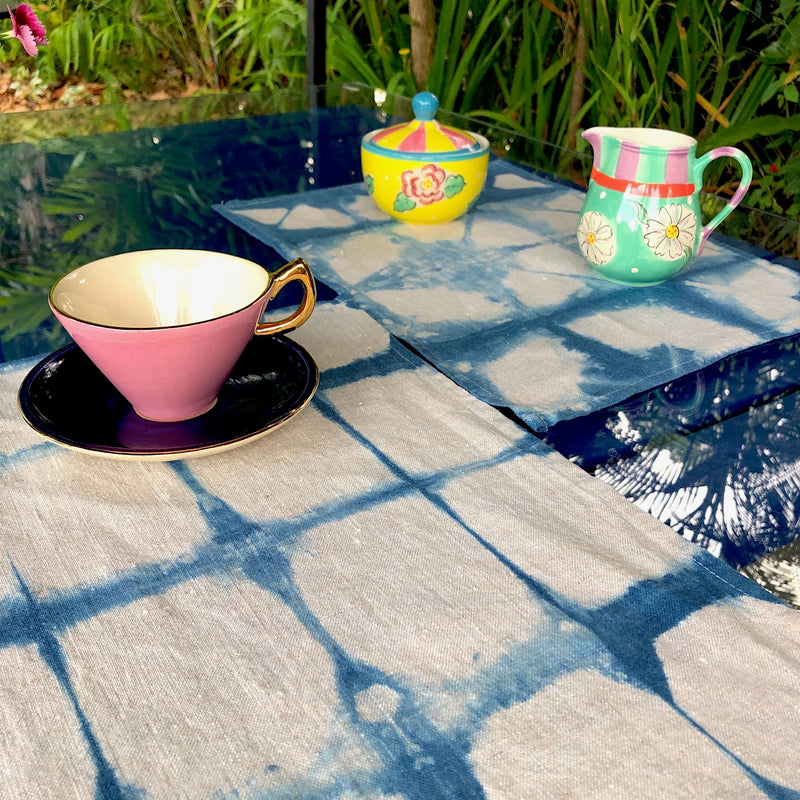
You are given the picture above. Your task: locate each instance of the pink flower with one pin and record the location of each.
(425, 185)
(26, 27)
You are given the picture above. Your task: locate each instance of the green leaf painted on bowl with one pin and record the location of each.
(403, 202)
(453, 185)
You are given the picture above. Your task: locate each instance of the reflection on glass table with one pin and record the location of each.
(711, 455)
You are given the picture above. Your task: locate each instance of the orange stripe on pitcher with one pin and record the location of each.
(643, 189)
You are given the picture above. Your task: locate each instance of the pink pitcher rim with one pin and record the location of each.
(644, 137)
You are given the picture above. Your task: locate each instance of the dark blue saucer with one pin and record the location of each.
(69, 401)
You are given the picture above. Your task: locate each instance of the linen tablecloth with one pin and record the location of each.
(397, 594)
(502, 301)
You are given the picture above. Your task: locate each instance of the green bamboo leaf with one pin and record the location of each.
(503, 119)
(766, 126)
(82, 228)
(787, 47)
(451, 29)
(467, 59)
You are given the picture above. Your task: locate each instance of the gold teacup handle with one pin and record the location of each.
(296, 270)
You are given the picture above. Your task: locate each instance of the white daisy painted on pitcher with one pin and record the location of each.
(671, 233)
(596, 238)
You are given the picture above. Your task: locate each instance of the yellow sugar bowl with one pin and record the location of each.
(422, 171)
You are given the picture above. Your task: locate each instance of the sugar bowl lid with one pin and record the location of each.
(424, 135)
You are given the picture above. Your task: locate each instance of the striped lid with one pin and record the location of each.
(424, 134)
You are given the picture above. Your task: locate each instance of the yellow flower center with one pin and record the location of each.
(427, 183)
(672, 231)
(590, 238)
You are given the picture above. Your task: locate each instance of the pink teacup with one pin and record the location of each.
(166, 327)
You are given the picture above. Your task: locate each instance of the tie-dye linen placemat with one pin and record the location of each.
(502, 301)
(398, 594)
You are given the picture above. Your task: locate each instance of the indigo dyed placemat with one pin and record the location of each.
(502, 301)
(399, 594)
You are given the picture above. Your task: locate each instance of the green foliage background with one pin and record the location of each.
(131, 45)
(725, 71)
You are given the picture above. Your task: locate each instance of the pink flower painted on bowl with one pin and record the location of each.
(27, 27)
(425, 185)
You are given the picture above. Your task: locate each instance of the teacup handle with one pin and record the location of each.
(744, 184)
(296, 270)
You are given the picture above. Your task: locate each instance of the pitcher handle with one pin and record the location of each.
(296, 270)
(744, 184)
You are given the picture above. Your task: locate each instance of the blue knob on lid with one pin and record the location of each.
(425, 106)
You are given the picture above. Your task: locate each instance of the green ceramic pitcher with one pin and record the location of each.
(640, 222)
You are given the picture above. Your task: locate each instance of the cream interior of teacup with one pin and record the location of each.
(159, 288)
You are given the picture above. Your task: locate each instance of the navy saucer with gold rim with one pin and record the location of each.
(69, 401)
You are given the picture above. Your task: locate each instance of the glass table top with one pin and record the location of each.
(711, 455)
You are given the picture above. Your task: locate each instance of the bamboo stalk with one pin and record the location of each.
(748, 72)
(702, 102)
(557, 11)
(578, 86)
(423, 36)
